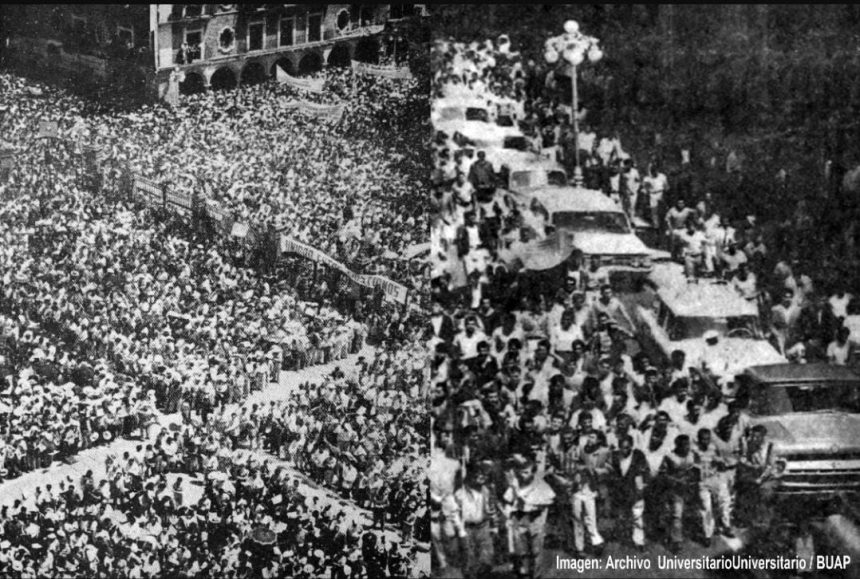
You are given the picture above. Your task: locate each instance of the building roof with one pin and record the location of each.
(802, 373)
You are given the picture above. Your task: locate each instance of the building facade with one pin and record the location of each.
(210, 46)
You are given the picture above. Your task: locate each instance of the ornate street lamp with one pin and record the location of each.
(574, 47)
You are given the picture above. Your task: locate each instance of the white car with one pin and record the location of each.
(451, 115)
(681, 315)
(595, 225)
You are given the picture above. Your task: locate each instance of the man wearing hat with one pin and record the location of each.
(527, 500)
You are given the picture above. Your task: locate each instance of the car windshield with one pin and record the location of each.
(476, 114)
(779, 399)
(609, 221)
(537, 178)
(516, 143)
(686, 328)
(451, 114)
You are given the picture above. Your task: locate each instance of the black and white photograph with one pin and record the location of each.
(644, 308)
(214, 263)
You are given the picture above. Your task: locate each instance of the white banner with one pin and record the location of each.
(393, 72)
(48, 129)
(310, 85)
(330, 112)
(393, 291)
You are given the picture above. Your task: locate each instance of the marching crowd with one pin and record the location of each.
(548, 419)
(112, 314)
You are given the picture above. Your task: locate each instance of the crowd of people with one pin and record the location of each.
(149, 517)
(356, 433)
(345, 187)
(549, 419)
(113, 313)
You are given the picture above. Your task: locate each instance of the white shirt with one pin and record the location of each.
(469, 345)
(840, 305)
(837, 354)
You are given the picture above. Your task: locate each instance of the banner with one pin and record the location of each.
(393, 291)
(392, 72)
(239, 230)
(180, 200)
(48, 129)
(310, 85)
(214, 211)
(330, 112)
(148, 190)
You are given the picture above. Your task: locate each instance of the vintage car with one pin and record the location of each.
(533, 174)
(503, 146)
(467, 115)
(812, 416)
(681, 313)
(598, 228)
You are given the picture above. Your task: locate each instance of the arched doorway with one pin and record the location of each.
(193, 84)
(286, 65)
(339, 56)
(367, 50)
(310, 63)
(253, 73)
(223, 79)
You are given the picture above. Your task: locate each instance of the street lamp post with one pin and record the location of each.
(573, 47)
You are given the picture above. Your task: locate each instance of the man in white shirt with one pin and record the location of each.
(676, 406)
(474, 503)
(839, 350)
(467, 340)
(693, 241)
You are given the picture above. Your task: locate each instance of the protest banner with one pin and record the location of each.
(330, 112)
(392, 72)
(239, 230)
(48, 129)
(308, 84)
(392, 291)
(148, 191)
(179, 200)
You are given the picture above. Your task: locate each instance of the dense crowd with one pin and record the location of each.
(148, 517)
(549, 418)
(355, 433)
(346, 188)
(112, 313)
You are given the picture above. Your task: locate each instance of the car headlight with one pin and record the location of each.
(646, 261)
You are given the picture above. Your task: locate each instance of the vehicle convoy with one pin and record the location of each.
(597, 227)
(812, 416)
(468, 119)
(686, 316)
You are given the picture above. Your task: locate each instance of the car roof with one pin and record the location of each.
(460, 102)
(479, 130)
(540, 163)
(576, 199)
(817, 372)
(706, 300)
